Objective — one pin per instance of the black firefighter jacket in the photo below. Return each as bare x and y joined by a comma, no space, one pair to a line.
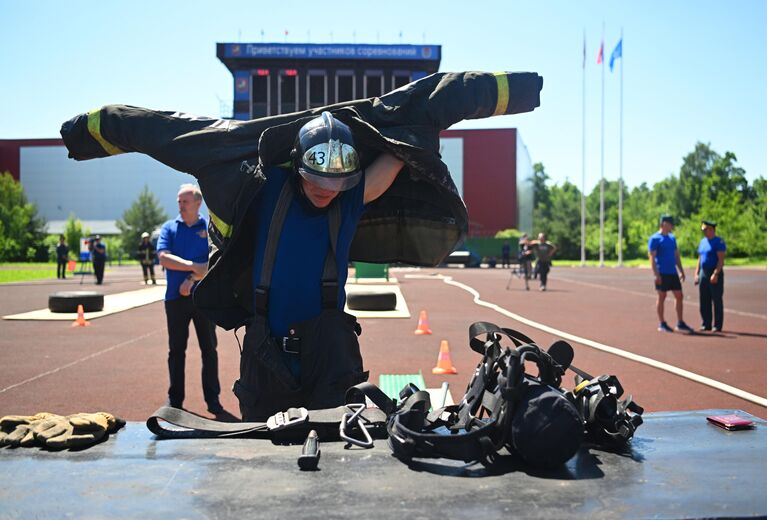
418,221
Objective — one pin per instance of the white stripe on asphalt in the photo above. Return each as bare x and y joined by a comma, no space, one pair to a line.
78,361
653,296
718,385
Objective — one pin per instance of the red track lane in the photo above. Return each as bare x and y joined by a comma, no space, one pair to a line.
118,364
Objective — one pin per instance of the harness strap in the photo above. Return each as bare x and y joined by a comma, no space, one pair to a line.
290,423
329,285
293,423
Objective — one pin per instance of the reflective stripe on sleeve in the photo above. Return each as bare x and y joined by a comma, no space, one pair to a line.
94,127
503,93
223,228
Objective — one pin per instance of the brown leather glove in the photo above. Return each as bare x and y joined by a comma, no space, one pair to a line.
75,431
16,430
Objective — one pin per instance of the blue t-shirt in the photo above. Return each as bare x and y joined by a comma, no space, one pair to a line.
665,252
707,249
187,242
304,241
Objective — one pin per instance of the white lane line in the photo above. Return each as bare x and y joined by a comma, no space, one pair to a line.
718,385
652,295
81,360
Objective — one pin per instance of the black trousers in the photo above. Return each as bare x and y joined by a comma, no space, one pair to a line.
98,270
148,271
711,295
61,269
179,313
543,270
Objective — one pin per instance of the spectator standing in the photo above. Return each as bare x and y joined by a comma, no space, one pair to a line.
665,260
544,251
183,251
709,274
146,257
506,255
99,258
525,257
62,258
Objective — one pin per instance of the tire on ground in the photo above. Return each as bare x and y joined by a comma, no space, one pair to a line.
67,301
372,301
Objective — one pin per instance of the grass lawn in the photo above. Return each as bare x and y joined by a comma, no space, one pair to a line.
25,272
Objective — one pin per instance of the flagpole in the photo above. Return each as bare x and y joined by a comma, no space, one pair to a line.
620,177
583,160
602,178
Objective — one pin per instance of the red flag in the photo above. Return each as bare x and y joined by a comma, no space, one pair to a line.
601,53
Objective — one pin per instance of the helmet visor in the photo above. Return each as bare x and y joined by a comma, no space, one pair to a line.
330,181
332,165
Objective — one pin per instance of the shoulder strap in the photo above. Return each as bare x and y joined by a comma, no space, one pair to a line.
329,286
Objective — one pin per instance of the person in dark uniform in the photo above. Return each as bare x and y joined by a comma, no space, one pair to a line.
525,257
99,258
62,258
146,257
543,252
506,255
183,251
709,274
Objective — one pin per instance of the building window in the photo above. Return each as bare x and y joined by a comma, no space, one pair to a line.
345,86
399,79
259,94
288,91
317,88
374,84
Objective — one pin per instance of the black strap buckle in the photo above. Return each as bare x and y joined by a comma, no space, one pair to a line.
289,344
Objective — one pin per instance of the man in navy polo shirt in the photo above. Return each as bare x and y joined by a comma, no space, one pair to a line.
710,275
665,260
183,251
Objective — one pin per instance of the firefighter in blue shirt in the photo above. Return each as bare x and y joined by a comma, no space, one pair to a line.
709,275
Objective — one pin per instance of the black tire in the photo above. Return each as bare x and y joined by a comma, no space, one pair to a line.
67,301
372,301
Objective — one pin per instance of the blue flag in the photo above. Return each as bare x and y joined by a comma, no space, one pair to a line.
617,53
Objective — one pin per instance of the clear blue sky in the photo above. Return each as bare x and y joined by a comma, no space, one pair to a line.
694,70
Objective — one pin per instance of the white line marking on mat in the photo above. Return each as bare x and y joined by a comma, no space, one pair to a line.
77,361
718,385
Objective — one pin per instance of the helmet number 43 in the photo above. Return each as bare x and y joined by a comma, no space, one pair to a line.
317,158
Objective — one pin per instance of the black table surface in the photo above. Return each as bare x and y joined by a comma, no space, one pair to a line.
678,465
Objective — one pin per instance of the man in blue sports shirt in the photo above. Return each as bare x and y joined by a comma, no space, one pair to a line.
710,275
183,251
665,260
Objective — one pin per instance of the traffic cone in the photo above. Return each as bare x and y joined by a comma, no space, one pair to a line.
423,324
80,321
444,365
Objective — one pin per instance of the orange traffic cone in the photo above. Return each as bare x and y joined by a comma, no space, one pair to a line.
423,324
444,365
80,321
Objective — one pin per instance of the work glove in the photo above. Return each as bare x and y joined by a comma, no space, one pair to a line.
75,431
16,430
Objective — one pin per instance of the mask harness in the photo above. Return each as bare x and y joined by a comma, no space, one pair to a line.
530,416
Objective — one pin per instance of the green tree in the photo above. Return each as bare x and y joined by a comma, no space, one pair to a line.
73,232
144,215
563,228
22,230
541,197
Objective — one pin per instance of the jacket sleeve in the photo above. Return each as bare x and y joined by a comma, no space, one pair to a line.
443,99
184,142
